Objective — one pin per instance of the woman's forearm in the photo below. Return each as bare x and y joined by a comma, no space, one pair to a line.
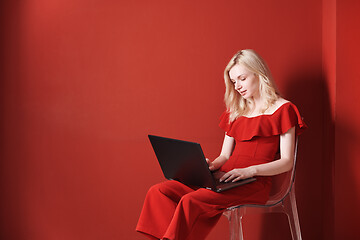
218,162
266,169
221,160
272,168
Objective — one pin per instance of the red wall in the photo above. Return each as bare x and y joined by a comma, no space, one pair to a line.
84,82
328,119
347,131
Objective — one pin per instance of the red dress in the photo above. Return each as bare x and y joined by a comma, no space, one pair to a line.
175,211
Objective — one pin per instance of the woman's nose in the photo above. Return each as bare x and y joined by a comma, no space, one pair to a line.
237,85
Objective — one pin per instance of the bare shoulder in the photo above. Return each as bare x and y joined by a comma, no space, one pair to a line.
281,101
277,104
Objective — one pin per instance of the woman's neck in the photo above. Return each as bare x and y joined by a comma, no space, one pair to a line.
255,107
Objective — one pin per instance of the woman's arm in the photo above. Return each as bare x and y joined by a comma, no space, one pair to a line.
284,164
226,150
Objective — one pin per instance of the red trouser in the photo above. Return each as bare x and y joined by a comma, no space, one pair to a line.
175,211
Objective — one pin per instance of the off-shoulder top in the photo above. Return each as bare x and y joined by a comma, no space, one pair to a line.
257,139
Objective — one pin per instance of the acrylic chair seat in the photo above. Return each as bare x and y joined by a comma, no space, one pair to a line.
282,199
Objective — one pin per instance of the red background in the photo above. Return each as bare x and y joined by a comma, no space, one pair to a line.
84,82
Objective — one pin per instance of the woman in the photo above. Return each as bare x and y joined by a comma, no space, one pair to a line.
260,129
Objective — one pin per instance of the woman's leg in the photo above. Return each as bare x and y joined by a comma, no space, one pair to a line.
159,207
198,211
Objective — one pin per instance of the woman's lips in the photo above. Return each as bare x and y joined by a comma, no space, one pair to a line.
243,92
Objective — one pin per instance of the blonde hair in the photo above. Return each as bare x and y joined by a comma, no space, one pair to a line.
235,103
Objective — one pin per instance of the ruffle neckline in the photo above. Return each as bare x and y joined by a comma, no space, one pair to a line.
266,125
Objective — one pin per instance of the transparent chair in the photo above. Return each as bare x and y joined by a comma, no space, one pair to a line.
282,199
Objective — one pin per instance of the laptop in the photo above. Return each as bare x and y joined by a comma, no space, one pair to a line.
185,162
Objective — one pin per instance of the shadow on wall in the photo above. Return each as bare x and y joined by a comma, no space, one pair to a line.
307,89
13,163
347,195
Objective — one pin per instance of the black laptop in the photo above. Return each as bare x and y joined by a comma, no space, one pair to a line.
185,162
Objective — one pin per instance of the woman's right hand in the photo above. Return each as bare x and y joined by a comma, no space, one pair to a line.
212,165
225,154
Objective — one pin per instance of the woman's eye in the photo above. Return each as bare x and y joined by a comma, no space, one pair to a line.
242,79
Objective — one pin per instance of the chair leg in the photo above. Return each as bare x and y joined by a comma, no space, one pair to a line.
292,213
235,225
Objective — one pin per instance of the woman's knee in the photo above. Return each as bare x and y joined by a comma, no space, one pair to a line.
154,188
168,188
190,198
200,196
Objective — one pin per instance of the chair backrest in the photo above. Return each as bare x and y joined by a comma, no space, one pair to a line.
282,183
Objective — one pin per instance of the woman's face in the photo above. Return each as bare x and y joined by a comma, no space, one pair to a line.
245,82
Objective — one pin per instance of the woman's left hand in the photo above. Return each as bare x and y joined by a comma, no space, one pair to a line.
238,174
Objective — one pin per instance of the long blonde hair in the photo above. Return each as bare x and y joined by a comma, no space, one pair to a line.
235,103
